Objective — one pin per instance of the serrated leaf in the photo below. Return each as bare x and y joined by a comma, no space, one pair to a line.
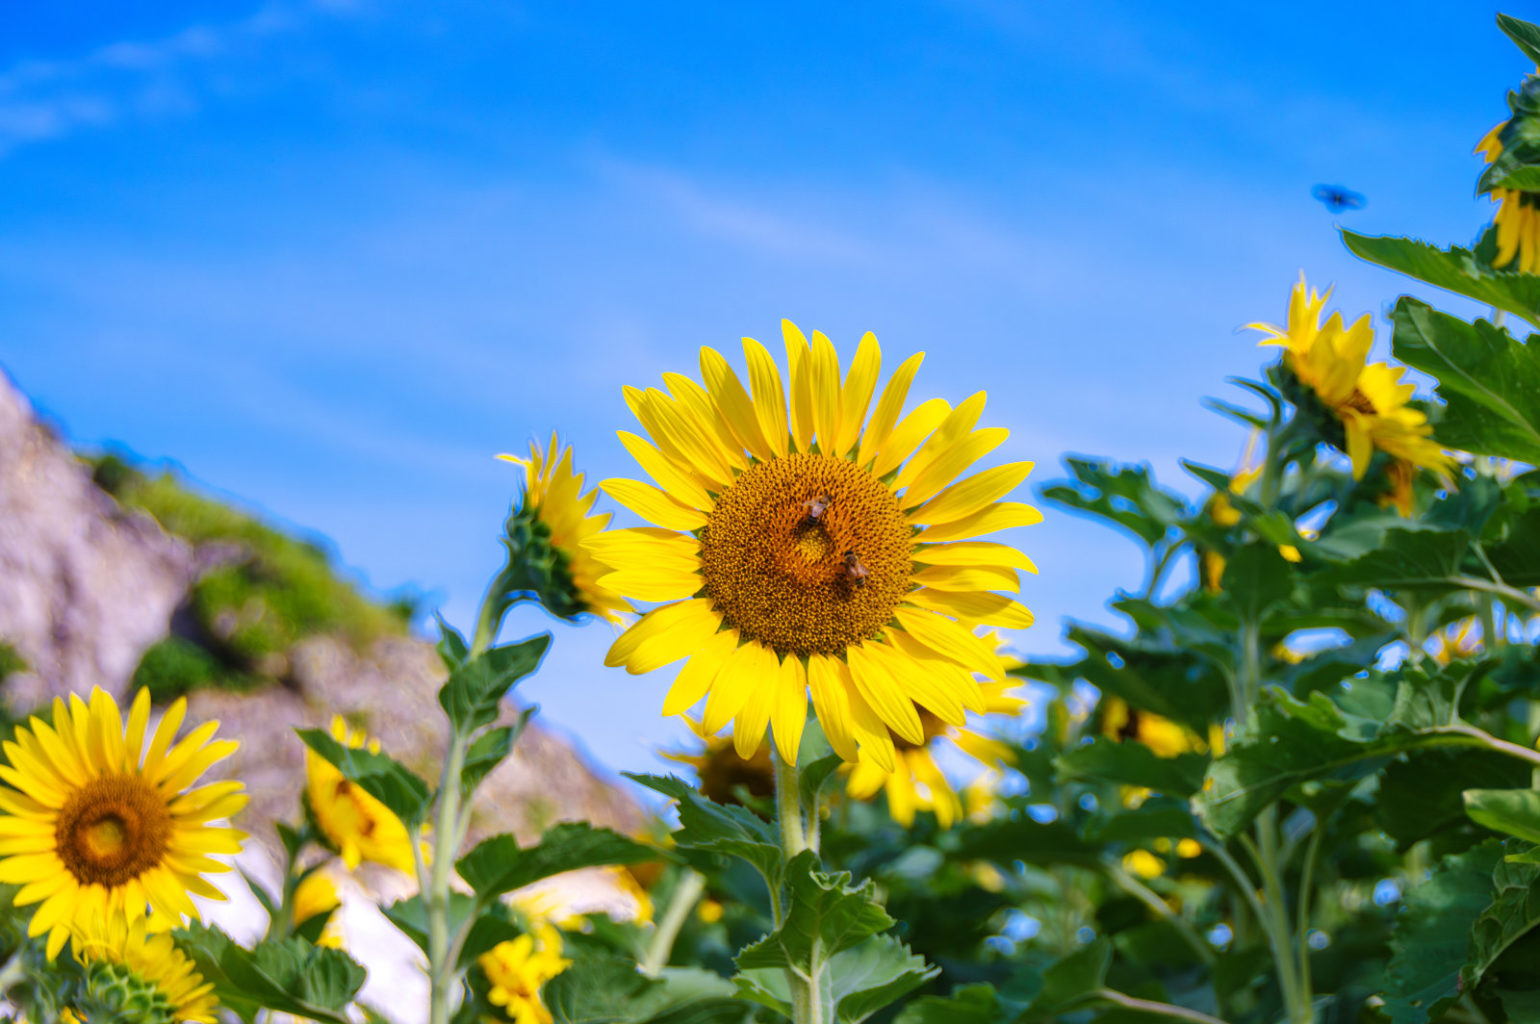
472,694
497,865
1125,496
382,777
411,918
1513,914
821,911
452,648
290,976
1409,559
1454,269
968,1004
1132,763
601,988
1489,380
706,825
489,750
1431,936
871,976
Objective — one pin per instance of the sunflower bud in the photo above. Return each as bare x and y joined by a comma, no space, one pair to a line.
115,992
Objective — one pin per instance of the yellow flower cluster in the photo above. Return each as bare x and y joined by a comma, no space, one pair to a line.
517,969
356,825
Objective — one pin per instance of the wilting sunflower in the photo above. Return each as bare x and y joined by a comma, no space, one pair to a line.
93,822
545,535
723,774
918,783
1518,210
815,550
138,976
356,825
1367,399
517,968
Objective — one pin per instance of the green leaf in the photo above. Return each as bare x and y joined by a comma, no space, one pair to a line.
871,976
490,749
452,648
969,1004
706,825
1073,979
1489,380
1455,269
1156,818
1256,577
822,911
815,775
1431,937
498,865
1125,496
382,777
1007,840
601,988
1131,763
1525,35
1515,812
474,691
411,918
1514,913
290,976
1409,559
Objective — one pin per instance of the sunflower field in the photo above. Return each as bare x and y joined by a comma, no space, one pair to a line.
1299,784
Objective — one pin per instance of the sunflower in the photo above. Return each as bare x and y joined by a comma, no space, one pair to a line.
815,550
1518,212
723,774
354,823
918,783
1163,736
93,822
137,975
545,535
515,971
1367,399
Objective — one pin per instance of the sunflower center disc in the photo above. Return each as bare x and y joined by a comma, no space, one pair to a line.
807,554
113,829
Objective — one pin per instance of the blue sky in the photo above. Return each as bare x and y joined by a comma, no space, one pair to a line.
332,256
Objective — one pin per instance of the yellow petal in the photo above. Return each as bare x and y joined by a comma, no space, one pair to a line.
908,435
655,622
668,476
883,693
948,433
889,406
665,420
919,685
950,640
752,719
825,381
974,552
694,680
1002,515
951,464
750,666
876,742
653,505
661,583
769,399
695,403
643,546
965,577
980,607
789,714
831,704
736,407
799,364
685,637
860,383
968,496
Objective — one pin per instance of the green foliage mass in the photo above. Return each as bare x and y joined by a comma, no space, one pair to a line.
273,591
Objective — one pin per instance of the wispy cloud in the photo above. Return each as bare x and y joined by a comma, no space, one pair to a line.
42,100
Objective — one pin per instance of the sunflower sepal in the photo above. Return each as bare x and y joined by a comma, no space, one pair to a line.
387,780
115,992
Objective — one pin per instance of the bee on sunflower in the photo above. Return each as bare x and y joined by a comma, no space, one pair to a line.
353,823
95,822
136,975
1365,403
799,547
545,536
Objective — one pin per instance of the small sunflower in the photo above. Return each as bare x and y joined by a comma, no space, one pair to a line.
1518,210
515,971
1166,738
545,536
139,976
354,823
918,783
94,822
1367,399
723,774
815,550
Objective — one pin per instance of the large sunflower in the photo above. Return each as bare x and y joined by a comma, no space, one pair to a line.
138,974
545,535
917,783
354,823
93,822
815,551
1518,212
1367,399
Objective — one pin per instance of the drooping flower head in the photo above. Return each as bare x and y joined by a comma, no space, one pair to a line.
1511,146
545,534
354,823
917,783
138,976
517,968
801,547
1367,399
94,822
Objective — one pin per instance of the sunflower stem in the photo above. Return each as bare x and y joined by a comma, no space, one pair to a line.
686,894
788,808
442,973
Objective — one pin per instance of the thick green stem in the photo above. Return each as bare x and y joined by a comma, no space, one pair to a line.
441,966
805,1008
686,894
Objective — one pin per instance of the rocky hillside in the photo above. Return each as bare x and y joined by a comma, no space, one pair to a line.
175,590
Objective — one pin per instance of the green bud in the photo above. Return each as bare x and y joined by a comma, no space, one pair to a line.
113,992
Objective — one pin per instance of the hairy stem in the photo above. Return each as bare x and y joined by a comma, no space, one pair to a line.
805,1008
